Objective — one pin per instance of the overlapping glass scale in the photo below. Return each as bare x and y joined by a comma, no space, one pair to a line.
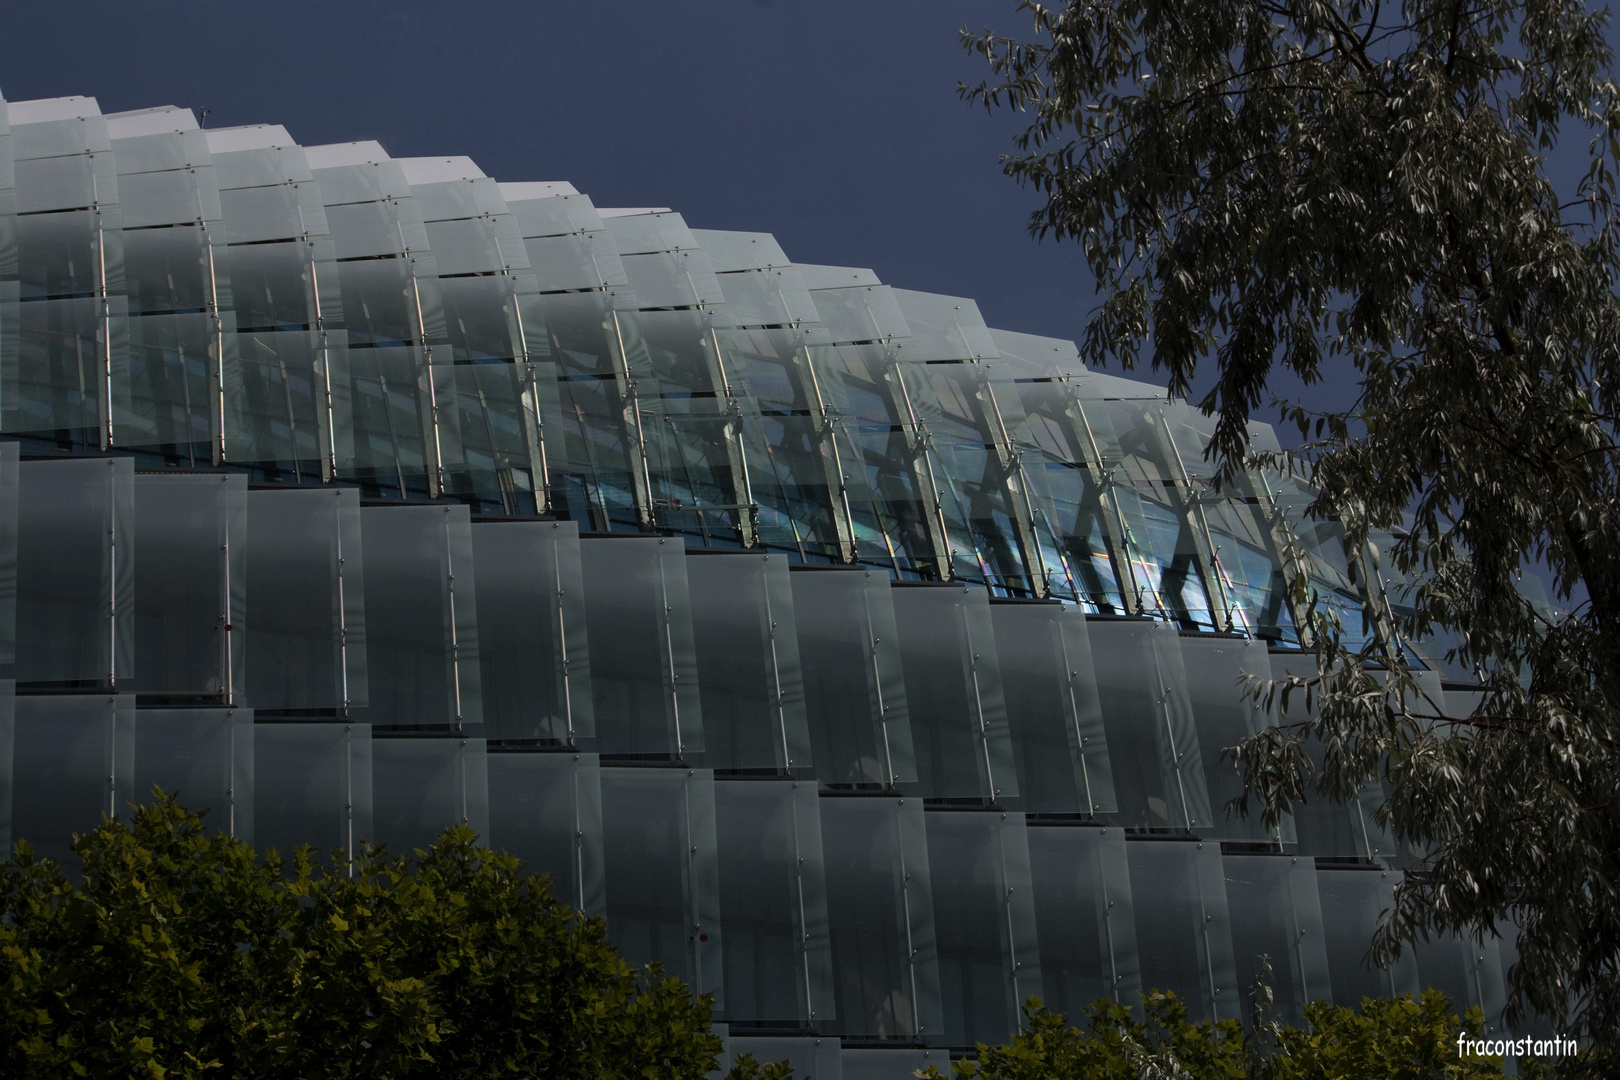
867,666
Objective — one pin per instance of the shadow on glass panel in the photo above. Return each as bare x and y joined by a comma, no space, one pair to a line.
546,808
204,758
748,662
73,764
1277,914
1085,917
984,924
880,908
534,660
643,669
1053,712
773,903
1353,901
663,892
311,785
953,691
854,684
421,786
1183,931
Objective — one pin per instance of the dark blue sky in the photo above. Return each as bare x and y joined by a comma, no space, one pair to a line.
834,124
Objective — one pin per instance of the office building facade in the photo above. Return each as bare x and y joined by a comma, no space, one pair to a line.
867,666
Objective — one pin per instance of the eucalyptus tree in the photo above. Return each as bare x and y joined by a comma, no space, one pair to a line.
1362,189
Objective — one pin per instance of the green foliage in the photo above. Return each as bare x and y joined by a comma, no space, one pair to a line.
182,955
1403,1039
746,1068
1298,186
1114,1046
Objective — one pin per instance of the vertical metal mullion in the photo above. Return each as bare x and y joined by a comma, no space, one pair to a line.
890,779
691,886
342,606
542,481
112,575
776,669
905,908
106,307
644,495
227,626
348,793
804,928
1164,712
1006,903
1069,674
218,417
455,638
669,656
579,836
562,638
1108,920
978,704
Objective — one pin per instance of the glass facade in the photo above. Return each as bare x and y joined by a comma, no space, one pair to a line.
867,666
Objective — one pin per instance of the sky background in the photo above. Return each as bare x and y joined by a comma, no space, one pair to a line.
834,124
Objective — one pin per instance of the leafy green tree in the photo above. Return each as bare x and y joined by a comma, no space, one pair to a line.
181,954
1403,1039
1303,187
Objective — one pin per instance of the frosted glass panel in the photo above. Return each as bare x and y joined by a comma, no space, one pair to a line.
663,891
748,662
1279,916
1183,932
311,785
984,924
1352,903
1085,917
547,810
421,616
75,596
855,691
306,589
953,693
880,907
1158,774
643,669
773,901
533,655
9,482
204,757
8,746
1224,713
1053,710
422,786
191,617
73,764
810,1058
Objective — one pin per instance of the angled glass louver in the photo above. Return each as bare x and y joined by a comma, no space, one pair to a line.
868,666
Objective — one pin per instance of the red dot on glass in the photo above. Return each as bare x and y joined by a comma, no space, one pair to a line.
703,937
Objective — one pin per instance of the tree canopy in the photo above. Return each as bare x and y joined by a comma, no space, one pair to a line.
182,954
1401,1038
1310,186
